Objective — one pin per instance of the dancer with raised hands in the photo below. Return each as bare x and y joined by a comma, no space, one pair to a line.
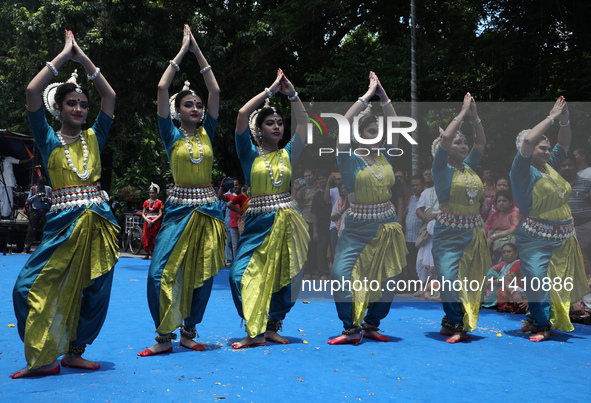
62,294
460,251
372,246
551,261
273,247
189,248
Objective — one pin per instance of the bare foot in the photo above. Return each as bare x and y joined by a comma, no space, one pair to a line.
457,337
158,348
273,336
51,369
541,336
373,335
346,339
191,344
250,342
79,362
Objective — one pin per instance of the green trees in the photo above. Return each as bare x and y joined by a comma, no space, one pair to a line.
500,50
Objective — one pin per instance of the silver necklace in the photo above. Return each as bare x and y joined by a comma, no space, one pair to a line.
379,176
273,182
472,193
193,160
85,175
559,189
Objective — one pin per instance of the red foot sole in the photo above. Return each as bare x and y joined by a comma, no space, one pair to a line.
196,347
338,341
52,371
148,353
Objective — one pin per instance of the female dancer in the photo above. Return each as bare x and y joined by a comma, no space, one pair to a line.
152,215
62,294
273,246
372,244
460,251
551,259
190,245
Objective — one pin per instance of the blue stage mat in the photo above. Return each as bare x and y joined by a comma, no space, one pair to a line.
498,364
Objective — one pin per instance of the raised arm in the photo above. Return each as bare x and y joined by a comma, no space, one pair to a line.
479,136
287,88
213,100
533,137
102,86
168,76
248,108
454,125
360,105
564,134
43,78
387,108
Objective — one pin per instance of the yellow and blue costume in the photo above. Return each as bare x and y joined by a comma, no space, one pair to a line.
273,247
546,241
188,250
62,294
460,251
370,248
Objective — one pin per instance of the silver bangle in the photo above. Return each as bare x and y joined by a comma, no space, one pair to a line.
94,75
564,125
176,66
269,93
51,67
476,122
205,69
551,120
293,97
363,101
457,119
388,102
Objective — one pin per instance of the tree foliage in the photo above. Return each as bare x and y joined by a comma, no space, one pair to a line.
500,50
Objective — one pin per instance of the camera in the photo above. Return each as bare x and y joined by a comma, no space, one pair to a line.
229,184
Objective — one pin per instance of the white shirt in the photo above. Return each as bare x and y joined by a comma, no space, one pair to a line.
585,173
428,199
7,171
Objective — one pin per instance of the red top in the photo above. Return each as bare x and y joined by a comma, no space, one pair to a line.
152,209
238,201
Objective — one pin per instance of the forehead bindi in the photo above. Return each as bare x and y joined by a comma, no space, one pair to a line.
74,96
273,119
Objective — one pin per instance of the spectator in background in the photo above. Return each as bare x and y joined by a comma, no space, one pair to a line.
304,195
152,213
40,201
8,182
225,188
321,210
427,210
332,194
580,206
235,201
339,209
583,158
401,177
488,181
428,178
488,206
501,225
412,227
